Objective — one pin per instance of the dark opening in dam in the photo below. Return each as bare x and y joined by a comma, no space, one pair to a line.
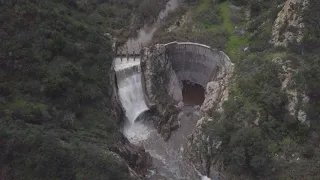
193,94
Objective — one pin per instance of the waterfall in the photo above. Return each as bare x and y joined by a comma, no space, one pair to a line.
131,97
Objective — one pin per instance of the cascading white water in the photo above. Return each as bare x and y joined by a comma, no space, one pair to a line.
131,96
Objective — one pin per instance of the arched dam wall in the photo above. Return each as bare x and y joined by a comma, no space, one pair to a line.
195,62
129,86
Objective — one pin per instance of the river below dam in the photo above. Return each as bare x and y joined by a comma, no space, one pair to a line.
168,158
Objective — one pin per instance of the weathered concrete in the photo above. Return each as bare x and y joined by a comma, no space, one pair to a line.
125,66
203,65
192,61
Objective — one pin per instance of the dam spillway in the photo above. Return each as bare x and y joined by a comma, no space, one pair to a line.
131,96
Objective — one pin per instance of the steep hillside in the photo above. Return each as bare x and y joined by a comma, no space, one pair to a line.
269,128
56,114
57,119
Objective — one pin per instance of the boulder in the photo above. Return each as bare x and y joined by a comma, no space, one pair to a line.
136,157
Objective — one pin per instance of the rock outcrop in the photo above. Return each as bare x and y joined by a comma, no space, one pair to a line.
161,82
289,26
297,100
217,90
135,157
162,89
204,159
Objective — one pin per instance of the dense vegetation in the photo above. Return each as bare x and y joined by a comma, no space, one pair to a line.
56,119
260,137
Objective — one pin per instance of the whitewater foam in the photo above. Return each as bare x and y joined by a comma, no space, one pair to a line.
137,132
131,97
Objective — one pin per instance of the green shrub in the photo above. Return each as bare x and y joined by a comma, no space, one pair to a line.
209,16
308,151
55,87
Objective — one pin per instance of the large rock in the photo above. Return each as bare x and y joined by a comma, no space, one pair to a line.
297,99
204,151
136,157
217,90
162,89
289,26
161,82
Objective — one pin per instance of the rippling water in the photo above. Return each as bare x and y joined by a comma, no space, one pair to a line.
169,162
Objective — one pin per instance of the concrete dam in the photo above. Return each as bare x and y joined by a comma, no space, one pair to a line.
193,62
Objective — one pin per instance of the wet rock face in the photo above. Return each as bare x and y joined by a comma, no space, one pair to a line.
117,108
204,159
161,83
162,89
167,121
136,157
